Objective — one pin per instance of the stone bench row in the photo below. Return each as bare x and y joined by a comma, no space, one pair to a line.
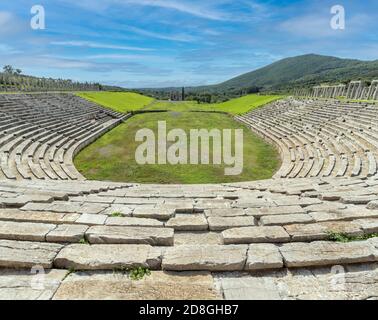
215,258
328,149
46,133
235,230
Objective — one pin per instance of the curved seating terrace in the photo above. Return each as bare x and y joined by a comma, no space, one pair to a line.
41,133
200,241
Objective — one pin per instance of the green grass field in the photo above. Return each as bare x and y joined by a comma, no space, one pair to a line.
118,101
126,101
112,157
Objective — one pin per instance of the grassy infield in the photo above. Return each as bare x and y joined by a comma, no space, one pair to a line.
112,156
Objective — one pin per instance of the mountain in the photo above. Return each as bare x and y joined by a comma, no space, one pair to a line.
302,71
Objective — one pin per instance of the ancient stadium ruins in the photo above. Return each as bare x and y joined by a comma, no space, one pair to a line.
270,239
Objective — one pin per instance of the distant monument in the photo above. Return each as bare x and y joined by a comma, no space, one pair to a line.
177,95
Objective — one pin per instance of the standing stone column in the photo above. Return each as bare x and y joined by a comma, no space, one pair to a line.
348,93
359,90
372,89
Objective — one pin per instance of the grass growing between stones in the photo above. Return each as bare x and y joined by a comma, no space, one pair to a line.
139,273
134,274
116,215
112,157
69,272
344,238
83,241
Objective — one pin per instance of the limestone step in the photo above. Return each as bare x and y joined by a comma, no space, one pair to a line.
108,257
130,235
17,254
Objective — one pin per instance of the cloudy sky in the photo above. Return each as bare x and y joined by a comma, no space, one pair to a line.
158,43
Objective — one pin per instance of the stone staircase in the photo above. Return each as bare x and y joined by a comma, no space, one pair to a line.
94,231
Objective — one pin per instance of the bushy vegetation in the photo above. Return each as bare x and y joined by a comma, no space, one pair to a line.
302,71
281,77
344,238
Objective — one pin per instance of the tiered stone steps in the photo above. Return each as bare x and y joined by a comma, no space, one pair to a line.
319,138
41,133
246,228
266,239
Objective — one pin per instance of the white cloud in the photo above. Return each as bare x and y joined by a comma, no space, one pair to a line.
170,37
6,49
96,45
196,8
191,8
318,25
8,23
5,18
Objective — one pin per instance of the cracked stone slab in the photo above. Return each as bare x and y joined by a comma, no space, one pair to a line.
154,213
93,208
279,220
138,201
374,243
351,282
22,200
347,214
92,219
133,222
249,288
179,206
368,225
158,286
205,258
321,230
26,285
260,234
36,207
25,231
294,201
67,233
188,222
257,203
281,210
130,235
24,254
108,257
37,216
118,208
326,207
263,256
372,205
197,238
95,199
213,203
231,212
324,253
65,207
223,223
358,199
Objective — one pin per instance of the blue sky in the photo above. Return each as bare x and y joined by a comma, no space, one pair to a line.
159,43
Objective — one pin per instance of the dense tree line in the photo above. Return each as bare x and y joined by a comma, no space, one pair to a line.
205,96
12,79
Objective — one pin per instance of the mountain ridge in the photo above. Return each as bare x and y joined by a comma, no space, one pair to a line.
300,71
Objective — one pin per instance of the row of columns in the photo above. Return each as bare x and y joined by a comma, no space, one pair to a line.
28,84
356,90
